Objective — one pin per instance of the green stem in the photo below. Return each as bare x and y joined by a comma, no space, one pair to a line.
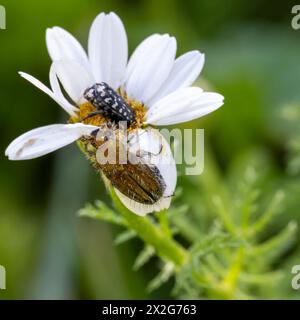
163,243
164,223
166,247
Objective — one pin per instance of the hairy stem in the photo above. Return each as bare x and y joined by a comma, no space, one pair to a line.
165,246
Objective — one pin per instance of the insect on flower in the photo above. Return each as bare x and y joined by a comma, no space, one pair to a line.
108,103
131,170
139,181
152,88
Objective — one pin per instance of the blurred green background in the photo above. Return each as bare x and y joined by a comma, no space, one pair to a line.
252,58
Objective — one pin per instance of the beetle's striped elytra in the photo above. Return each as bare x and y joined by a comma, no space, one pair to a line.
139,180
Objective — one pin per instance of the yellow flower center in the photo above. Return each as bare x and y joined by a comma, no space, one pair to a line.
86,108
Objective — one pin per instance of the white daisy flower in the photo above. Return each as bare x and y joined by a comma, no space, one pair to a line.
154,84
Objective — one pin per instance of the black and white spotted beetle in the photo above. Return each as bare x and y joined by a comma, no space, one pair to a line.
108,103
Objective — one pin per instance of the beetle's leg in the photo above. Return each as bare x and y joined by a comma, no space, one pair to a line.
136,136
142,153
171,195
92,114
95,132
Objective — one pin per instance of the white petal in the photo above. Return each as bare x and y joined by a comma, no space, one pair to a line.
174,103
185,71
74,78
152,142
188,108
145,45
60,98
189,115
143,209
149,66
108,49
62,45
43,140
70,109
